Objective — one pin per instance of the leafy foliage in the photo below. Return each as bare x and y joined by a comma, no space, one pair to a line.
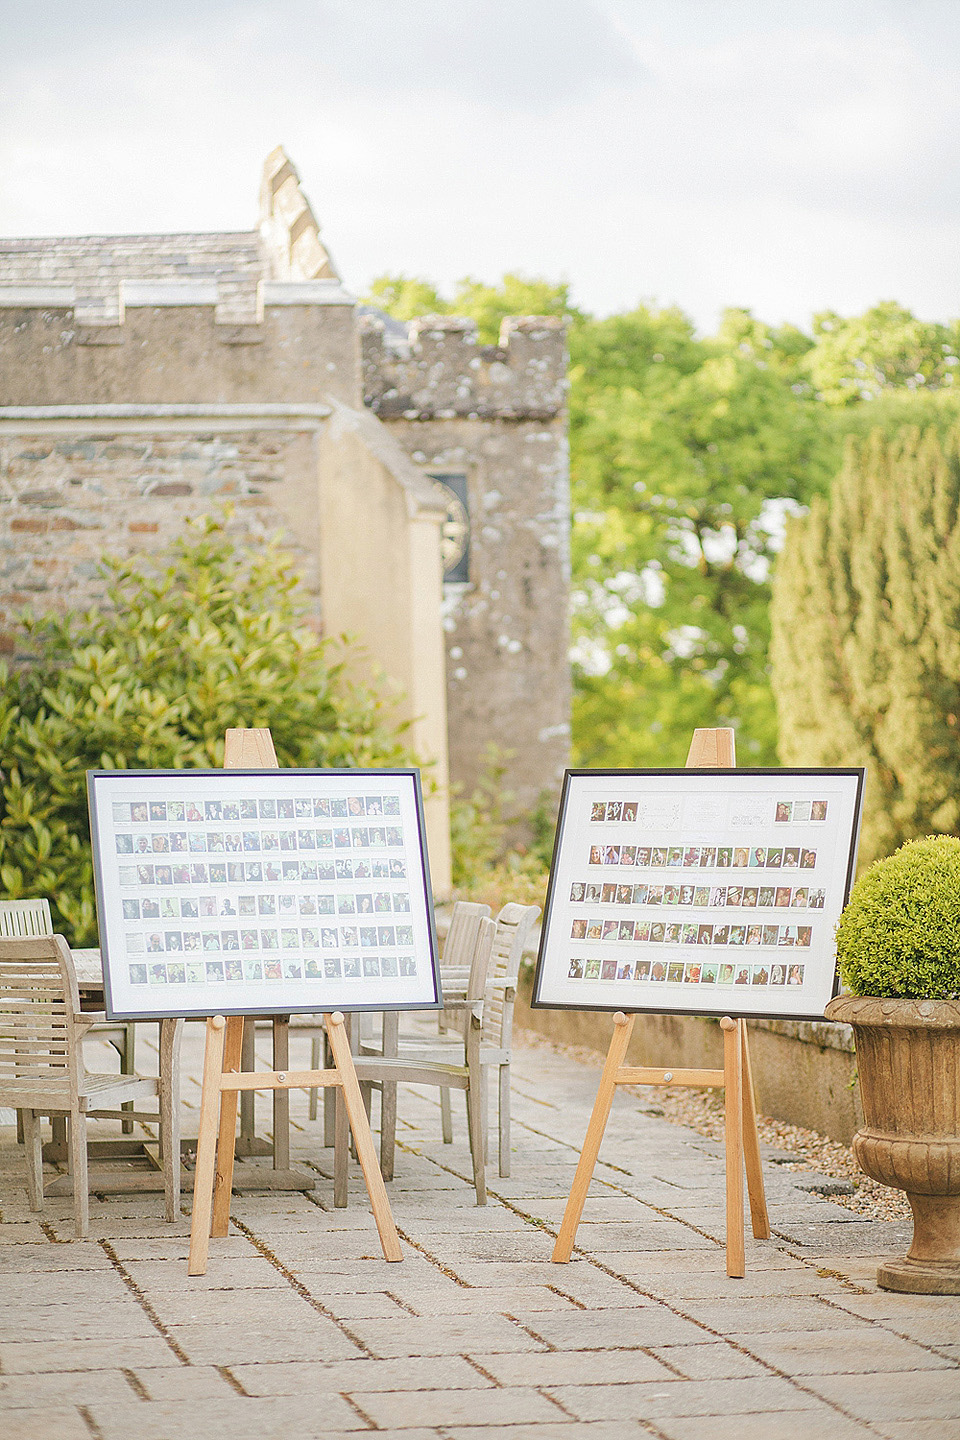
886,348
900,933
866,633
489,866
211,639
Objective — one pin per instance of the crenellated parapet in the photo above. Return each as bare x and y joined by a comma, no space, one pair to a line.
440,372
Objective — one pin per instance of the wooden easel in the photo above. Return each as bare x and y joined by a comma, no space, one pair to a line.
223,1082
709,750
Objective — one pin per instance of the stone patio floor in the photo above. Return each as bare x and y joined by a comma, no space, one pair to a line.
299,1327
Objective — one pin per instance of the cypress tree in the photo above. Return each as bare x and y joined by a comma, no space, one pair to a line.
865,649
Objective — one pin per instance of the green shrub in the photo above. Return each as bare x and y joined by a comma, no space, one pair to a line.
900,933
491,866
208,638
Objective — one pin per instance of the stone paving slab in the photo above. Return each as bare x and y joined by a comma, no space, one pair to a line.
301,1328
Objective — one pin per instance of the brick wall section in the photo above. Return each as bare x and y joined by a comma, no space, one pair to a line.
66,501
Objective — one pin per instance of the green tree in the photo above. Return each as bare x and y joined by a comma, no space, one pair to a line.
405,297
885,348
489,305
685,454
210,638
866,633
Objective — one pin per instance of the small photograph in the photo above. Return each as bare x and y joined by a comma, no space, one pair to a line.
691,973
754,934
575,971
774,859
708,857
614,808
269,939
734,895
170,908
687,894
197,843
270,840
272,970
788,935
741,857
765,896
592,894
721,934
253,872
404,936
338,808
804,934
246,904
211,939
675,856
157,973
725,974
784,812
158,810
121,814
378,837
791,858
141,845
795,975
657,932
124,844
213,810
324,839
307,904
675,972
388,967
150,909
717,896
313,970
347,904
341,838
135,944
641,931
368,937
163,875
782,898
625,970
286,809
671,894
626,930
327,870
801,812
249,939
231,810
761,975
248,809
227,906
594,929
577,891
671,934
189,909
391,805
139,811
229,939
742,975
267,809
217,872
658,855
801,898
289,871
253,969
758,857
628,854
371,967
750,896
691,855
640,893
208,904
289,939
608,894
394,835
655,895
359,837
308,871
611,854
138,974
131,909
178,842
641,971
198,874
658,971
176,974
578,930
191,940
365,905
808,859
629,812
778,974
724,857
310,937
214,969
181,874
251,841
608,970
770,933
611,930
705,935
591,970
349,936
351,968
624,894
401,901
708,973
159,844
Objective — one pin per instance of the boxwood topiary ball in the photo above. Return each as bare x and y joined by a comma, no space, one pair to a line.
900,933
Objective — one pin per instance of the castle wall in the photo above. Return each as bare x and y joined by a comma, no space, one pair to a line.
495,415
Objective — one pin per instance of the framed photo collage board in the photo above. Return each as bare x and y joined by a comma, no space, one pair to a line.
262,891
699,891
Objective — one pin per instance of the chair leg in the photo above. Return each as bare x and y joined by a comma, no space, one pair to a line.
78,1164
170,1114
34,1156
485,1110
128,1065
475,1128
388,1127
503,1116
341,1150
314,1065
446,1115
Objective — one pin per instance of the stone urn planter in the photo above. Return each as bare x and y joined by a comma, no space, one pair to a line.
898,944
908,1054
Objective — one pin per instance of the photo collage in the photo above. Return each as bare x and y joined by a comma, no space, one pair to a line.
635,902
260,890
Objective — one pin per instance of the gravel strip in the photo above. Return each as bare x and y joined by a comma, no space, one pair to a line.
798,1148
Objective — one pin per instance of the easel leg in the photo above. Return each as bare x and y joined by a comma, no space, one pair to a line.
759,1219
733,1106
591,1145
227,1141
206,1147
281,1098
353,1101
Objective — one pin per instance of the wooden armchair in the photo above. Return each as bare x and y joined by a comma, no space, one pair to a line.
42,1071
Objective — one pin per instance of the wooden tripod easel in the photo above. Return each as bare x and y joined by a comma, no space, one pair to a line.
223,1080
709,750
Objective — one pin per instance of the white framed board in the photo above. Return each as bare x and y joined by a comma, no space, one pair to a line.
262,891
698,891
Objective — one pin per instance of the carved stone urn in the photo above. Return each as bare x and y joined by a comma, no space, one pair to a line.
908,1054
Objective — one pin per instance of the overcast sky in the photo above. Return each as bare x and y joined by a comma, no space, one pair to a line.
785,155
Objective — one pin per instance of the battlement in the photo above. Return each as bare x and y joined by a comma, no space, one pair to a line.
440,371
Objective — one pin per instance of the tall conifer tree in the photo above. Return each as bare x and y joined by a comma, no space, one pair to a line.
866,633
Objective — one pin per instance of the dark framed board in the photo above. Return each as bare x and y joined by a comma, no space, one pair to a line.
262,891
698,891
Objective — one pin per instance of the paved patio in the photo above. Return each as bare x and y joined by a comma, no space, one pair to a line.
300,1329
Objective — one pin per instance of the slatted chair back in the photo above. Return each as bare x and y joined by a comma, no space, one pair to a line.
39,1050
25,917
458,948
512,926
469,1018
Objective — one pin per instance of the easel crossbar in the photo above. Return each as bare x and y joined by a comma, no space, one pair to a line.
279,1079
651,1075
